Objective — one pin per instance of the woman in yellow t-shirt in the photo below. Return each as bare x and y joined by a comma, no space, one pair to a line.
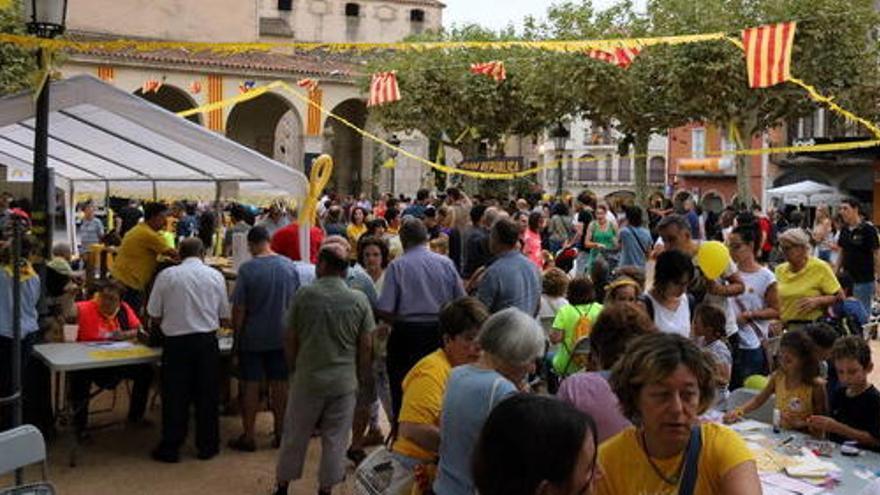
356,227
418,439
664,382
807,285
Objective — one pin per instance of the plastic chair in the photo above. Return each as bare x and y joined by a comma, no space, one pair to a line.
740,396
21,447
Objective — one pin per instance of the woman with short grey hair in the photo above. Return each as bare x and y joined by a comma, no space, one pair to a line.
510,342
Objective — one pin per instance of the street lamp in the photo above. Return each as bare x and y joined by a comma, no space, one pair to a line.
392,153
45,19
560,135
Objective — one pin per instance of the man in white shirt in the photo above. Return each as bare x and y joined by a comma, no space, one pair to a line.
189,301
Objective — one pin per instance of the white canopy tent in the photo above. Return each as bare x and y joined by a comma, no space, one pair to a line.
806,192
103,140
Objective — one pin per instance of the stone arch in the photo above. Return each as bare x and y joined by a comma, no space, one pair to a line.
271,125
171,98
346,146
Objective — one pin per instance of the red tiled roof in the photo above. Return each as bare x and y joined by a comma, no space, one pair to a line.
317,63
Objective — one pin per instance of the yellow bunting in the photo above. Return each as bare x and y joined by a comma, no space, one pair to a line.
834,107
573,46
322,170
389,163
231,101
713,258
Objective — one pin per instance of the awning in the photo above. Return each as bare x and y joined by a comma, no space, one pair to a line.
101,135
806,192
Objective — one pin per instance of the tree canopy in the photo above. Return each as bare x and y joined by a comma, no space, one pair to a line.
16,65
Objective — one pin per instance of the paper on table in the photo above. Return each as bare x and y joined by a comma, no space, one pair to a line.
791,485
809,466
748,425
111,345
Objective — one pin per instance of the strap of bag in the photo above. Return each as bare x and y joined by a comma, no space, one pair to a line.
692,458
638,241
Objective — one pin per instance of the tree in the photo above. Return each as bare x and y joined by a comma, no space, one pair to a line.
17,66
829,52
472,113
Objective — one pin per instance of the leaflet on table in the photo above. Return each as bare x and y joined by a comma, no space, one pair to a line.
782,484
111,345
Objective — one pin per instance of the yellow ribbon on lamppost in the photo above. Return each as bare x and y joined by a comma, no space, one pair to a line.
322,169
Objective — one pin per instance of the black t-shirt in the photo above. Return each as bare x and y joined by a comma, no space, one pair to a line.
584,218
858,247
861,412
130,217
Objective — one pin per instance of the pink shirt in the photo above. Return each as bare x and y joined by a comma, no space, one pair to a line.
590,393
532,247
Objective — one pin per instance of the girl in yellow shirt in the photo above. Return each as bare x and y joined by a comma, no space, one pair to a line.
799,391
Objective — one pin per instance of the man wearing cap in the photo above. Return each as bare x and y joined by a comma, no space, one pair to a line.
327,344
263,290
416,286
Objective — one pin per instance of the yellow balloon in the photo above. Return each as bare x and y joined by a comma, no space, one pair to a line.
713,258
755,382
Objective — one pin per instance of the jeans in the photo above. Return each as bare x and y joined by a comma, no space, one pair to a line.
864,292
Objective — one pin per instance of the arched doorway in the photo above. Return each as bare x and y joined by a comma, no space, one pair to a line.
270,125
171,98
347,148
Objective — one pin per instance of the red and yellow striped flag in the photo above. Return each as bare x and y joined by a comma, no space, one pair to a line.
313,116
383,89
621,57
494,69
768,53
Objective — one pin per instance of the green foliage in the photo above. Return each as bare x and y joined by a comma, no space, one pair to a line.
16,66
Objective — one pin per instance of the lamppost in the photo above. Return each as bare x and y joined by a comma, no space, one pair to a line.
392,153
560,135
45,19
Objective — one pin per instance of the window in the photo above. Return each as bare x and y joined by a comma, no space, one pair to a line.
416,15
352,10
698,142
588,168
609,166
657,170
285,5
624,169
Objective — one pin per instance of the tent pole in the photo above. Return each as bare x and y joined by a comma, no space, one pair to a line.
218,227
155,192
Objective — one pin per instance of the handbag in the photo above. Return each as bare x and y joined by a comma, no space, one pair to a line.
692,458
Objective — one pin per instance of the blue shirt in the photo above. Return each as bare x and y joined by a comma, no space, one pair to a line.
632,240
471,393
30,294
511,281
418,284
852,308
694,222
265,286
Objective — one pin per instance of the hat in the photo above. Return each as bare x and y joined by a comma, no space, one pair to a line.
60,266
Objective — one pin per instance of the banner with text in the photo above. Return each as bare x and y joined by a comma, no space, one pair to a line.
495,165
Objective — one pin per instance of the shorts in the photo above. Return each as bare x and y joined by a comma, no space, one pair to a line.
255,366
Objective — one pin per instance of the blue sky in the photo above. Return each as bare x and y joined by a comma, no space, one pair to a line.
499,13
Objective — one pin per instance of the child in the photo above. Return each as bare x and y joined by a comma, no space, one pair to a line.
573,322
855,408
850,308
800,393
709,326
823,336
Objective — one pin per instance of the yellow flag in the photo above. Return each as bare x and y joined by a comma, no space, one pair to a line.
389,163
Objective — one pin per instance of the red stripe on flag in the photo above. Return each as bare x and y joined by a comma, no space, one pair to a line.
758,74
785,53
772,76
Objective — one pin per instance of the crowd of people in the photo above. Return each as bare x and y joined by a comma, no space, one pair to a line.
515,347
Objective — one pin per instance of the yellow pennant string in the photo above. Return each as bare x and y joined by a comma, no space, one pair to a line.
249,95
834,107
42,76
322,170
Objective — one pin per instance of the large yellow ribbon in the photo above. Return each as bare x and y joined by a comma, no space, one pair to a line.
322,170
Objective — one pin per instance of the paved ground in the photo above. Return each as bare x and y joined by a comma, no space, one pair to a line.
117,461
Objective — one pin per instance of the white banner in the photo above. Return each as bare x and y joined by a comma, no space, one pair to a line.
15,173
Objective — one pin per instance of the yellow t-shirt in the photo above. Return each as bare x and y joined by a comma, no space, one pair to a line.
815,279
626,469
797,401
423,390
136,259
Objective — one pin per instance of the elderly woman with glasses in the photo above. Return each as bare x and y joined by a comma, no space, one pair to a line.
510,342
807,285
664,383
